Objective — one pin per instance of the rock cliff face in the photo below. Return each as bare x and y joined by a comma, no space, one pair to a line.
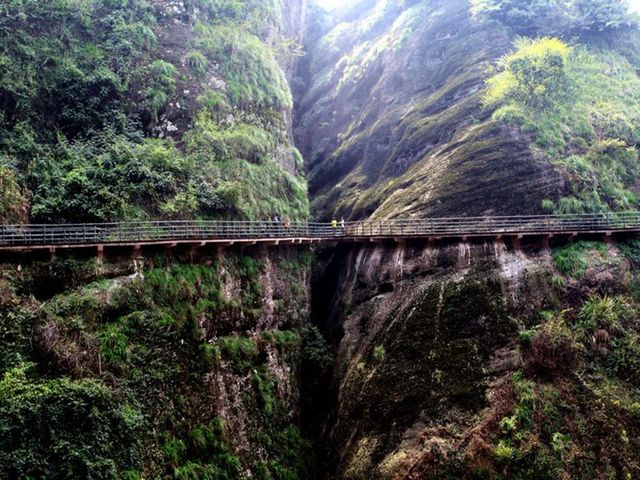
139,109
431,359
486,360
392,126
201,354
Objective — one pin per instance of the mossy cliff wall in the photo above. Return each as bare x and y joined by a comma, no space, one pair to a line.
149,109
416,108
391,123
156,368
479,361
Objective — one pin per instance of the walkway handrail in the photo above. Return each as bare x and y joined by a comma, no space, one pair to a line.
198,230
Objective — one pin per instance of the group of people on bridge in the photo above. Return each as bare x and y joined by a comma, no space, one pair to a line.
286,222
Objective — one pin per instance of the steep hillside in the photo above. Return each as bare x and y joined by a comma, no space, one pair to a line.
481,361
498,359
163,368
396,119
161,109
475,360
178,364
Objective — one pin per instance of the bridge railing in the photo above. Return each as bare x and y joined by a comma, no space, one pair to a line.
497,225
158,231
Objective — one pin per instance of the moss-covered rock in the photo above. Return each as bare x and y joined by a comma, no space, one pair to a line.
205,357
392,124
479,361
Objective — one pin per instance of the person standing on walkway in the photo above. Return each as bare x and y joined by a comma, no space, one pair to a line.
287,222
342,225
334,226
276,224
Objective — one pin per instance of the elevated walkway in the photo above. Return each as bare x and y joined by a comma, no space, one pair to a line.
100,236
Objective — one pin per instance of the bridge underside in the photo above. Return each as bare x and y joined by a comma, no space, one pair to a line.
136,249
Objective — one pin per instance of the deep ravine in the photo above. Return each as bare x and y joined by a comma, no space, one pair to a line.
493,359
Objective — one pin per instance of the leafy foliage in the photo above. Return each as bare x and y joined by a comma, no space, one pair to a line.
197,63
573,260
575,104
247,64
241,351
63,428
66,63
205,454
14,205
108,177
535,76
84,86
556,17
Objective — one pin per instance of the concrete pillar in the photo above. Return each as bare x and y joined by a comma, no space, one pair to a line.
517,242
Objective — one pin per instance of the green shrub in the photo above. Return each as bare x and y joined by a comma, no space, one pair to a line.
211,355
203,454
114,345
266,391
92,432
174,449
509,424
242,351
573,260
81,305
316,353
504,452
555,350
282,337
535,76
604,312
164,75
379,353
526,337
560,442
197,63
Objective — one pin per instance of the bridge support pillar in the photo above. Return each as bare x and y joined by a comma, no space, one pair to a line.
194,248
52,254
100,255
244,246
137,250
517,242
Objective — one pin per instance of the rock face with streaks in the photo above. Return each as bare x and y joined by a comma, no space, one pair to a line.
391,123
431,358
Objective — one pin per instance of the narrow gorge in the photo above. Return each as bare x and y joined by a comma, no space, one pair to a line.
493,358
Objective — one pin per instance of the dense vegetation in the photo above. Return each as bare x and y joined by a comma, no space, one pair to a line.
572,409
114,379
101,120
559,17
580,105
